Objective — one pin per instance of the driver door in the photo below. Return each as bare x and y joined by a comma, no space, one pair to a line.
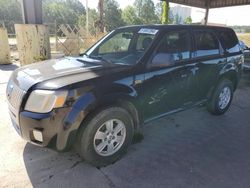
169,77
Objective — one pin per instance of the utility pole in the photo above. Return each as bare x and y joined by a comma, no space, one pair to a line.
87,17
101,14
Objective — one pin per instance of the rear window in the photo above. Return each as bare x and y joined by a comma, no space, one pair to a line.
206,44
229,41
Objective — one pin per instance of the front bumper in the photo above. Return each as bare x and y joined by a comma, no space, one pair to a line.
44,130
56,129
47,124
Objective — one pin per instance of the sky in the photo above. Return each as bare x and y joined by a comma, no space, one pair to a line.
239,15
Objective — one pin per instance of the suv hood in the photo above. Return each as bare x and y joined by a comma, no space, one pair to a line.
68,69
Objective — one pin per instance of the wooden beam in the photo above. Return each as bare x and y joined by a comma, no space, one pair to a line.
206,16
213,4
32,11
101,15
207,11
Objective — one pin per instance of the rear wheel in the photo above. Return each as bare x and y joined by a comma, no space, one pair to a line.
106,136
221,98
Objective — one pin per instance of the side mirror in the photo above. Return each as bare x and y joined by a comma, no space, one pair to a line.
246,48
162,60
243,46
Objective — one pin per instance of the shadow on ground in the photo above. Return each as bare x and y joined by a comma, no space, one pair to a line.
10,67
47,168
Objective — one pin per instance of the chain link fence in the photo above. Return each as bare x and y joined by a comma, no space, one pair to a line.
65,38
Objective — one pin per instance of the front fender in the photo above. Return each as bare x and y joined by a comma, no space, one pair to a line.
229,67
89,101
72,121
79,106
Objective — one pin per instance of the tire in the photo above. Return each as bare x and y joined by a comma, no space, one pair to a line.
216,106
96,143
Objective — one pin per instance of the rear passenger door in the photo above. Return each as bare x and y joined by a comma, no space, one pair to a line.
208,54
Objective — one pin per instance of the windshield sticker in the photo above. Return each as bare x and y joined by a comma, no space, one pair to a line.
148,31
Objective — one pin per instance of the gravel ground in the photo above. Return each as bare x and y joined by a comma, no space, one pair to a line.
187,149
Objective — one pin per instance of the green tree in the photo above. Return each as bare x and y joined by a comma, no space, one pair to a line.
112,15
10,10
177,19
93,17
171,16
165,12
129,16
188,20
158,10
10,13
145,10
62,11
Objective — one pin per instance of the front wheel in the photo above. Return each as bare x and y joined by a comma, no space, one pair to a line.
106,136
221,98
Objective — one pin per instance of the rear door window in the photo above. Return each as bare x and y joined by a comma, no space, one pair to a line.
206,44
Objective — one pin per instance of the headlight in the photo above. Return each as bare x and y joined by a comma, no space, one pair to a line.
43,101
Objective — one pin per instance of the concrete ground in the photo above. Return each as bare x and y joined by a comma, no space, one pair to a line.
189,149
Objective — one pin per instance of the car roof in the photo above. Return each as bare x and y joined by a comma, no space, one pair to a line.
172,26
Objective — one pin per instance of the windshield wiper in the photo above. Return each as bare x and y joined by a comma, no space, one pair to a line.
106,61
87,62
84,53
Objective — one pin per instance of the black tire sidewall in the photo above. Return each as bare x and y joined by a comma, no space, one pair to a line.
87,150
214,103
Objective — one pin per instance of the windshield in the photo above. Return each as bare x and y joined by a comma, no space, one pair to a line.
123,47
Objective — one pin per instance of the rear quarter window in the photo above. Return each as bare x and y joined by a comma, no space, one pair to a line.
229,40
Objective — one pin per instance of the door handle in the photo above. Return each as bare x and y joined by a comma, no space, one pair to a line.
138,82
194,70
183,75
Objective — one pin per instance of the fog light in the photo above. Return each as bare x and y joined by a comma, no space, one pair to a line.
38,135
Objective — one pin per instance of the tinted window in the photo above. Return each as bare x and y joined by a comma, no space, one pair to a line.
206,44
123,47
119,43
175,45
144,42
229,41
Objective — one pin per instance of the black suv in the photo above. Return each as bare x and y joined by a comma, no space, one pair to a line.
135,74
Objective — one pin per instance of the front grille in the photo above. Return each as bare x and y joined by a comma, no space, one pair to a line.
14,95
